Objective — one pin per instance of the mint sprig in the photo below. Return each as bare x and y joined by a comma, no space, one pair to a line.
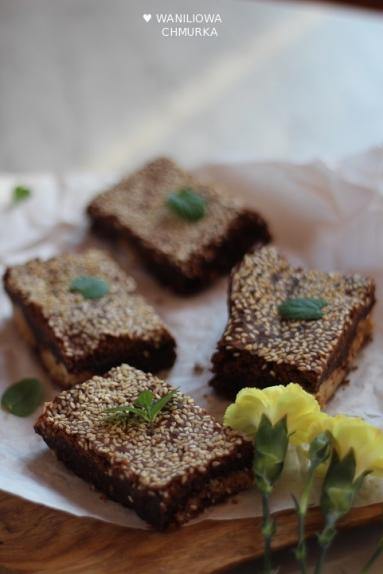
187,204
302,309
20,193
145,407
90,287
22,398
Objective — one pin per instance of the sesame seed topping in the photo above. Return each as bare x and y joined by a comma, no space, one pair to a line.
77,327
183,440
261,283
138,204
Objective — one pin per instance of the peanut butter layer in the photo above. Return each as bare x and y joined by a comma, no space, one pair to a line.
329,386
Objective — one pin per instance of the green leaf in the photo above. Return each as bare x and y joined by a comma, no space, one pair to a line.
122,413
187,204
162,402
20,193
23,398
145,399
121,409
302,309
89,287
144,407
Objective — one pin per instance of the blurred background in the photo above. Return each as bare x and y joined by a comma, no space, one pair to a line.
90,85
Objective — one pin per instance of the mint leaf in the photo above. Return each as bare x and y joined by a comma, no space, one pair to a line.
144,407
20,193
145,399
302,309
187,204
23,398
89,287
161,403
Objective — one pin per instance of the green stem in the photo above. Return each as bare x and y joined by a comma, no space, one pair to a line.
302,507
325,539
267,531
374,557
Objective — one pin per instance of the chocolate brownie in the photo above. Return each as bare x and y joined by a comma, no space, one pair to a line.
184,255
76,337
260,348
168,471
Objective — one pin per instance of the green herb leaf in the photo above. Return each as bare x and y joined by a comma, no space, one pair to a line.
23,398
302,309
187,204
89,287
20,193
144,400
157,406
145,407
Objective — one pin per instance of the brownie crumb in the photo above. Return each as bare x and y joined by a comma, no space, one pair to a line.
198,369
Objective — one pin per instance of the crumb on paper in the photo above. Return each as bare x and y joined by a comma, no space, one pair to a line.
198,369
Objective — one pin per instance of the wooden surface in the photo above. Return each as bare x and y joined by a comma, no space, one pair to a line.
37,539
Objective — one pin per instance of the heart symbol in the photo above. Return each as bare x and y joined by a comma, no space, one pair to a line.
147,17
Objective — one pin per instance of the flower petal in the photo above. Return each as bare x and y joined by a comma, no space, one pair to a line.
365,439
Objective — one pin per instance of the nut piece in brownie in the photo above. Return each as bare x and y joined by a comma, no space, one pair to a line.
259,347
168,470
75,336
186,240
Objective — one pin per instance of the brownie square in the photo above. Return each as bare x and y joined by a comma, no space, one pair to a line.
76,337
168,471
184,255
259,348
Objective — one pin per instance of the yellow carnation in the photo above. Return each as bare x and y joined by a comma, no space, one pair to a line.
304,418
365,439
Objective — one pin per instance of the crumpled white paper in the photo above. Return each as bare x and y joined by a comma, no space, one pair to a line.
330,217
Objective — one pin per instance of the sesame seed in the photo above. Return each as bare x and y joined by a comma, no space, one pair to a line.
255,332
81,329
182,441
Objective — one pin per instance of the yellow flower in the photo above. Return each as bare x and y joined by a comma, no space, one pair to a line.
365,439
304,417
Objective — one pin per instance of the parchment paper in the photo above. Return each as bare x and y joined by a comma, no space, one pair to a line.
330,217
